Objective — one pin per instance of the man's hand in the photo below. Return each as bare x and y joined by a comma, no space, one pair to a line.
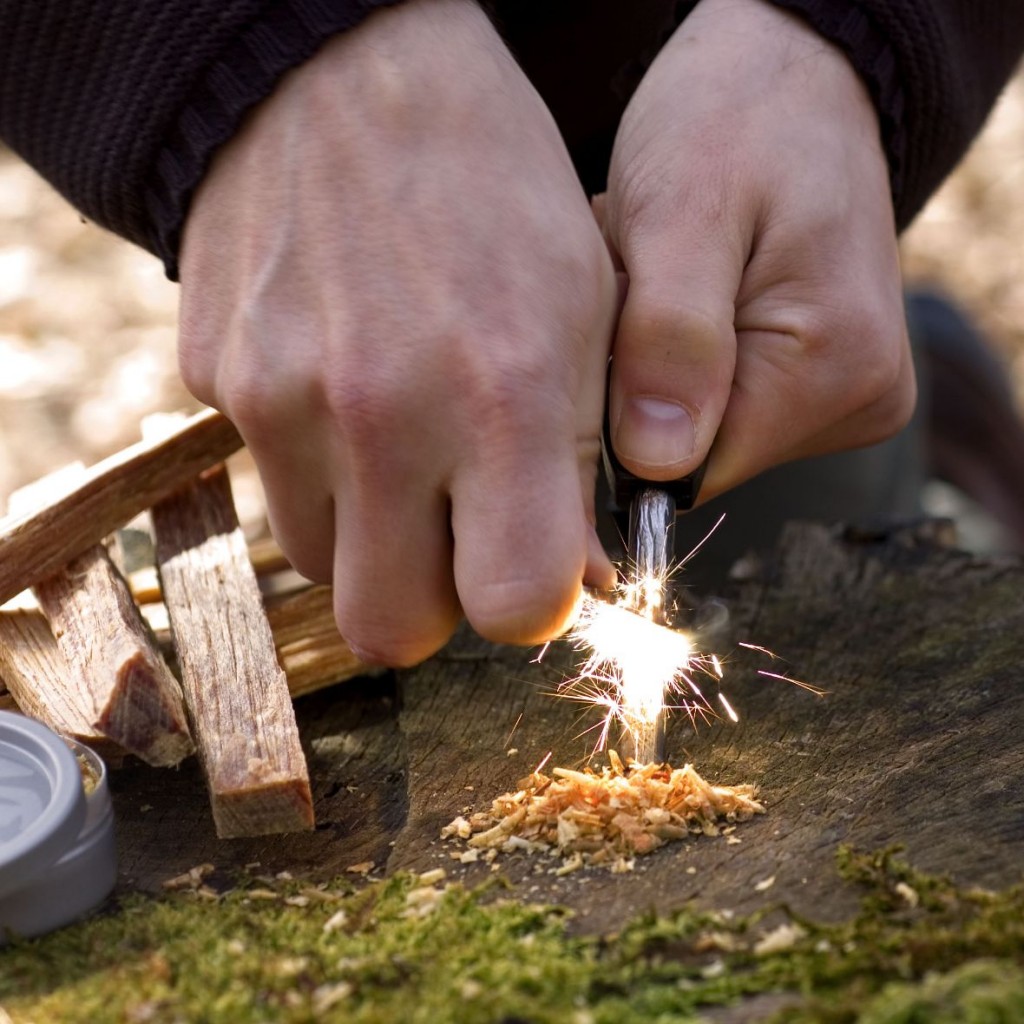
749,203
393,285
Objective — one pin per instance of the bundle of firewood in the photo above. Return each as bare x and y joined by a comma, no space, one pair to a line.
91,650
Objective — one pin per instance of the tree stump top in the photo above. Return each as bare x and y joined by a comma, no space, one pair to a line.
918,741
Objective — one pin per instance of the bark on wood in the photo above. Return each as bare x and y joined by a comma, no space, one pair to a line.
112,662
236,693
917,741
112,492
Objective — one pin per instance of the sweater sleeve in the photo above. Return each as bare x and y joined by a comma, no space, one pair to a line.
934,69
121,104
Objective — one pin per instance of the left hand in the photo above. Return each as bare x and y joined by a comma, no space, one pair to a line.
749,204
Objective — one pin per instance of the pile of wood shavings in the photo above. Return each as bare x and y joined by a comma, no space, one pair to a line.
606,817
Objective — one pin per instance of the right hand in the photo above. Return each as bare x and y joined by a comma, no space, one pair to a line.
394,287
755,224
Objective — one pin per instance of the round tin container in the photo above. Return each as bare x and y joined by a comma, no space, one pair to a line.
58,859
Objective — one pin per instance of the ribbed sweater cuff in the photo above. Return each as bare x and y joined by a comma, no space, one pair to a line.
288,33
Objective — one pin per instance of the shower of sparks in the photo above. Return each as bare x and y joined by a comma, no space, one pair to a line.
633,667
810,687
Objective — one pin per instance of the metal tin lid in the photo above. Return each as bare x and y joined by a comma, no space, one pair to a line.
42,802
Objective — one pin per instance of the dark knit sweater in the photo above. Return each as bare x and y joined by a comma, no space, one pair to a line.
122,104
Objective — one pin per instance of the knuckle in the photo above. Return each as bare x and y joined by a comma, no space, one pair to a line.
816,333
894,409
365,402
879,370
704,198
866,351
196,363
516,394
391,653
655,320
250,400
197,377
309,562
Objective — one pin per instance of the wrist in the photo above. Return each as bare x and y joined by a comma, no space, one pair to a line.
405,60
375,96
753,78
773,50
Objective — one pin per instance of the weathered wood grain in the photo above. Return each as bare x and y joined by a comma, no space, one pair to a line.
106,683
111,662
267,559
35,674
309,647
36,545
236,692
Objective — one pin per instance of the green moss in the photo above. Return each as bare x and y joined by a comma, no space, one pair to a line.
911,927
399,951
982,992
468,958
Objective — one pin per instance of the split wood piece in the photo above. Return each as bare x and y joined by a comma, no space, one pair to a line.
236,692
113,674
274,571
267,557
111,492
35,674
112,661
309,647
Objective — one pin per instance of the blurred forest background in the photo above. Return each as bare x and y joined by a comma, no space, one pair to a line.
87,322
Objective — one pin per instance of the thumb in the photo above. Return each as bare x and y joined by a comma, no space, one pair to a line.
674,353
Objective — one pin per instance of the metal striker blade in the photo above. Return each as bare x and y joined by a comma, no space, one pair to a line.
652,523
652,519
651,538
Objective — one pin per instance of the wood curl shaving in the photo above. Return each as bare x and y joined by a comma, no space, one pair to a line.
605,817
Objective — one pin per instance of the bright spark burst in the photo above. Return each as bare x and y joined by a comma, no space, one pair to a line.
633,667
640,657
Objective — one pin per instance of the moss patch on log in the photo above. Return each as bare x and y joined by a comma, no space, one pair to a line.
414,949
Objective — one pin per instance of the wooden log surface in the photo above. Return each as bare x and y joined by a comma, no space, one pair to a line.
35,545
237,695
92,670
309,647
917,741
310,650
37,681
113,668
